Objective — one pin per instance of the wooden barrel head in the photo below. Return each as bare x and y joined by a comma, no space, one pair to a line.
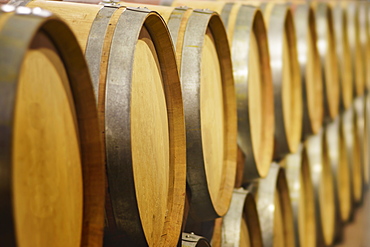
274,209
240,225
351,142
54,148
252,74
150,138
47,176
210,113
344,55
286,78
329,62
340,168
359,110
136,81
322,179
309,61
302,196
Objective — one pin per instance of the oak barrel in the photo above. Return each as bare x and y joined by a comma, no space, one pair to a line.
52,160
274,209
240,225
311,74
343,53
338,159
298,174
322,179
356,33
254,90
133,67
204,63
286,77
351,138
328,57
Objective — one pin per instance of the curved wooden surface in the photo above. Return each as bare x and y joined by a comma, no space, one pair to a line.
329,62
286,78
252,75
343,54
301,193
322,179
309,61
357,54
359,110
57,177
240,225
351,138
366,156
334,136
274,209
142,113
210,107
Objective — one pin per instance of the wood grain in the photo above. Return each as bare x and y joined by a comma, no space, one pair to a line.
47,176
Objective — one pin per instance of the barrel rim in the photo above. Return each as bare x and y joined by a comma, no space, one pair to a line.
127,220
28,22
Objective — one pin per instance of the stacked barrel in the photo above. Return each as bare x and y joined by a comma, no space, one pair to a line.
182,123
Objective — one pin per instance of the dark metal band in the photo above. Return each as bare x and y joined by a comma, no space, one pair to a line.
317,161
95,42
266,193
276,30
301,20
20,29
174,22
192,240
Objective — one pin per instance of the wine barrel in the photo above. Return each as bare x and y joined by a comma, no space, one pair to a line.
335,142
357,53
351,137
240,225
359,109
366,156
192,240
133,66
52,159
210,108
286,77
329,61
322,180
301,193
274,209
252,74
343,54
309,61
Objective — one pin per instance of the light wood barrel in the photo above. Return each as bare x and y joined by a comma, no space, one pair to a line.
252,74
52,159
133,66
204,63
336,147
366,156
274,209
357,53
337,158
350,128
343,53
359,110
311,74
286,78
322,180
240,226
329,61
210,107
298,174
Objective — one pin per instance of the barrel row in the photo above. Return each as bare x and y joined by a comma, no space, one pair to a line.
180,94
